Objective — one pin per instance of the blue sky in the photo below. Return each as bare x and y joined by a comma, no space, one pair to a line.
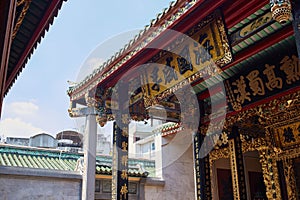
38,101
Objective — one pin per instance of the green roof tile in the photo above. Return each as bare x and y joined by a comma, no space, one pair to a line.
22,161
6,159
17,160
11,160
30,159
25,158
1,160
56,160
45,161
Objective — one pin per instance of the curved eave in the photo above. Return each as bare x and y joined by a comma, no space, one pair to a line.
194,14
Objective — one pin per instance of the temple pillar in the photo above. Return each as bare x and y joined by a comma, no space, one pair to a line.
7,16
289,175
120,163
270,172
120,146
202,170
90,140
237,166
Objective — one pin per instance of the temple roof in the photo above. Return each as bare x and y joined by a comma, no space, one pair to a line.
169,128
53,159
254,16
163,21
252,36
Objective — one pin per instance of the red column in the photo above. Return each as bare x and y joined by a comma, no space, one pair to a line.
7,16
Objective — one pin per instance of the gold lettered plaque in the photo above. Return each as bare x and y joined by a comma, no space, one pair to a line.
263,80
204,50
288,136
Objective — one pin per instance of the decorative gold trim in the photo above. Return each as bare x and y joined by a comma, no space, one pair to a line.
213,156
21,16
253,145
101,176
234,170
288,154
270,173
268,157
271,113
218,154
287,120
281,10
289,175
227,58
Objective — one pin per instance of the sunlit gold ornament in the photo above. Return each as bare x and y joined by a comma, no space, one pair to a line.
281,10
101,120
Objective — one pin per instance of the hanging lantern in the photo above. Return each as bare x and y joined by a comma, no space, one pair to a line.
281,10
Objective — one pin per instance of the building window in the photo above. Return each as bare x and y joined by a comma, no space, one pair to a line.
106,186
132,188
97,186
137,139
152,146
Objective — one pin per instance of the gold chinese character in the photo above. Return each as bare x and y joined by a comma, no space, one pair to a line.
124,160
124,146
273,81
125,132
291,68
169,71
125,129
256,84
124,190
241,90
125,118
124,174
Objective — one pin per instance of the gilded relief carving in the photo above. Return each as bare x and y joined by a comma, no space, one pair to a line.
213,156
270,173
234,170
268,157
25,4
290,179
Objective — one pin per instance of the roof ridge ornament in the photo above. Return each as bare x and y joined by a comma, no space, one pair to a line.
281,10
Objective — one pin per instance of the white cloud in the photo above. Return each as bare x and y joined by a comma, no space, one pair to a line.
88,66
23,108
15,127
94,62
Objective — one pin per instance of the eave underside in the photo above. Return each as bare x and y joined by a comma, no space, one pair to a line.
28,32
